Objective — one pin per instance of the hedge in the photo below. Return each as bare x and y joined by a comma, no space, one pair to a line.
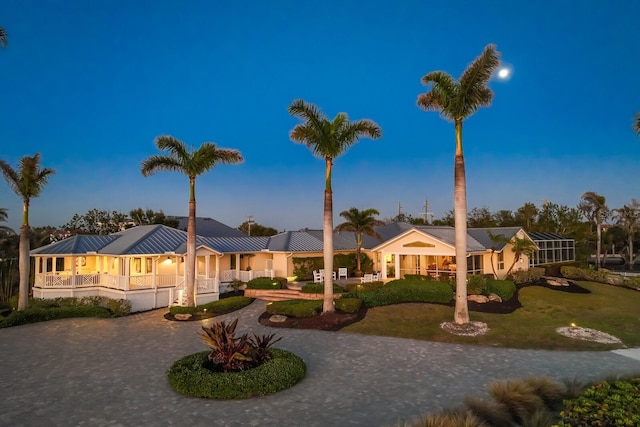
189,376
505,289
264,283
318,288
224,305
403,290
41,314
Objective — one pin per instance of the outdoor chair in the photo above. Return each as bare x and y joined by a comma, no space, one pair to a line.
322,274
317,276
366,278
342,272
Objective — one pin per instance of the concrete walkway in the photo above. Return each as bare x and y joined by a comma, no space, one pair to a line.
112,372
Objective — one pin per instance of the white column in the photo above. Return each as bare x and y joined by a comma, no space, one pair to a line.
237,266
396,258
216,280
154,276
383,265
127,272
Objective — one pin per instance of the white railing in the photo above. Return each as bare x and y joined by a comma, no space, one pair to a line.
205,285
230,275
49,280
67,280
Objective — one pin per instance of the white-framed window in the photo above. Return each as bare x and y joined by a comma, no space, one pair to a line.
500,260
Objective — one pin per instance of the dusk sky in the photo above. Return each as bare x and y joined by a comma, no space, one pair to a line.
90,84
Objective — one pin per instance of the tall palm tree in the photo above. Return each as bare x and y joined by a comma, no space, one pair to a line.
3,37
193,164
27,182
594,207
360,222
636,124
328,139
456,100
521,246
628,218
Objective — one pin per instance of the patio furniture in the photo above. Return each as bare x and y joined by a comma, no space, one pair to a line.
342,272
366,278
322,274
317,277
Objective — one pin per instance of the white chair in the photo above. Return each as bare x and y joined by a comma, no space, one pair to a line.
377,276
342,272
317,277
366,278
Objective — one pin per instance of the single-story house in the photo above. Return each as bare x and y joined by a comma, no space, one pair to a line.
145,264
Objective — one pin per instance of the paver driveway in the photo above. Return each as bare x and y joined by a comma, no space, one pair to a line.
111,372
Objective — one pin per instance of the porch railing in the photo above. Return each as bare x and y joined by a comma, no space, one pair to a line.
230,275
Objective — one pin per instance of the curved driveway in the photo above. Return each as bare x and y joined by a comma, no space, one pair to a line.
111,372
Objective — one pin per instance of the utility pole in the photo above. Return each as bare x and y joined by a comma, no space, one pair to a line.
249,222
426,214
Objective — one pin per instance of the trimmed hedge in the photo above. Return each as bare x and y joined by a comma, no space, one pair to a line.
505,289
41,314
188,376
318,288
295,307
531,275
476,284
348,305
363,287
403,290
264,283
224,305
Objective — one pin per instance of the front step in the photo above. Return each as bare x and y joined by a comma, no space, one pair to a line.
282,295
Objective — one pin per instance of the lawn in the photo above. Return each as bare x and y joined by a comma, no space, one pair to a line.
607,308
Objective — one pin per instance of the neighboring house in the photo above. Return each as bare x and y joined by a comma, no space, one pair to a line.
145,264
209,227
553,248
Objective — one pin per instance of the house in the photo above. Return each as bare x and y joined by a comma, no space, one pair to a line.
552,248
145,264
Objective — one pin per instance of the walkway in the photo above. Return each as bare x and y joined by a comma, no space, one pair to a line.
111,372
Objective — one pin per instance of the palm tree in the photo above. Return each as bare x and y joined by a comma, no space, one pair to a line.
191,163
496,239
328,139
27,182
457,100
3,218
360,222
595,209
3,37
627,218
521,246
636,124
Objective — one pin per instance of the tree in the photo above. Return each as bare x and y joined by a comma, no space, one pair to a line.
27,182
496,239
3,37
481,218
255,229
328,139
455,101
521,246
149,216
595,209
627,218
193,164
4,230
526,216
360,222
636,124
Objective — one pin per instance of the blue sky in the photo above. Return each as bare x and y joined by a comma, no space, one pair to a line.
90,84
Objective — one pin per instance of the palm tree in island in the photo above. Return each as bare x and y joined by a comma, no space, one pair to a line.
328,139
636,124
628,217
360,222
193,164
594,207
456,100
27,182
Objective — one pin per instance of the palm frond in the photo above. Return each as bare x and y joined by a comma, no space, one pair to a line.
442,95
307,112
474,92
636,124
176,147
28,180
11,176
157,163
3,37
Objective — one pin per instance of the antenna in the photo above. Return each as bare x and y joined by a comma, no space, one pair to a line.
426,214
249,222
399,209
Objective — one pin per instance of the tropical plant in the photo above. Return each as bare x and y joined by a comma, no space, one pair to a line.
360,222
3,218
627,218
457,100
594,207
636,124
496,239
3,37
191,163
328,139
27,182
521,246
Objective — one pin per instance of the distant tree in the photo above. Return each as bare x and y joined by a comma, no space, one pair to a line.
447,219
520,247
149,216
481,218
192,164
4,230
3,37
328,139
594,207
628,217
505,218
96,221
526,216
360,222
27,182
457,100
257,229
636,124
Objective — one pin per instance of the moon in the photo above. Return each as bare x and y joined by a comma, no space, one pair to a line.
503,73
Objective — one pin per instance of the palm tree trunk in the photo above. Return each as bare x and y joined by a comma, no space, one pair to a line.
358,249
630,251
461,314
24,265
327,248
598,244
190,265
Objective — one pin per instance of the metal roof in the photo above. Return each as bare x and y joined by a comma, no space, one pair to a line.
539,236
80,244
482,235
236,244
209,227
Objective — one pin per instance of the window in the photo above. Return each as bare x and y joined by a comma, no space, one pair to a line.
500,260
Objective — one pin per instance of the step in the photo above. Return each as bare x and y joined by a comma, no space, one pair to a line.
282,295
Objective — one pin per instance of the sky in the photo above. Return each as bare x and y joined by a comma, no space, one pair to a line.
91,84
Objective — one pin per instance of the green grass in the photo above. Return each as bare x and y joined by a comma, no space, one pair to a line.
607,308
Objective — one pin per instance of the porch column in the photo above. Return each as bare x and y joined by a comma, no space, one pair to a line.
237,266
216,279
383,265
74,260
154,281
127,270
396,258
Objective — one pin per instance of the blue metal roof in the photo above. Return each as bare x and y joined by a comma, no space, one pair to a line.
80,244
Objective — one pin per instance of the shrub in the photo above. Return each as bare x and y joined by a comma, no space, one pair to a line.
505,289
368,286
605,404
476,284
318,288
225,305
189,377
283,282
417,277
119,307
348,305
403,290
40,314
295,308
531,275
571,272
263,283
